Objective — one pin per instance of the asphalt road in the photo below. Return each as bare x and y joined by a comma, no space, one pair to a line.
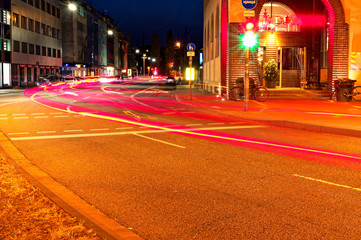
173,171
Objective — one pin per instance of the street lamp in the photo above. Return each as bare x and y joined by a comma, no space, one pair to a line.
72,7
110,32
178,45
144,57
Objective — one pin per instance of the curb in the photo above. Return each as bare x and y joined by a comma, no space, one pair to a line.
105,227
289,124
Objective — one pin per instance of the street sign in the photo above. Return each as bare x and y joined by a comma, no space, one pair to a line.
191,54
249,13
191,47
249,4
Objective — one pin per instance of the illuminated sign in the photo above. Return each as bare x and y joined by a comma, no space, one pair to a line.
249,4
190,74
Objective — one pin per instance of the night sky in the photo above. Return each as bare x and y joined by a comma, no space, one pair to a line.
138,17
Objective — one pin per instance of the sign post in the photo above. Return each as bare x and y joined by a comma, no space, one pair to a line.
191,47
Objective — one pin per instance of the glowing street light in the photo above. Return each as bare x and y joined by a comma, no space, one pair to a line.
110,32
72,7
137,51
178,44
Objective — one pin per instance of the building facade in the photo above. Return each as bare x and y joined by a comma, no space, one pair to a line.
36,41
5,44
312,41
92,43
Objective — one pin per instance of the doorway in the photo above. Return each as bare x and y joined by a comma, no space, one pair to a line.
291,67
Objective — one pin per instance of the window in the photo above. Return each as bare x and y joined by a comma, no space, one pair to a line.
16,46
23,0
16,20
43,5
53,12
31,48
37,50
58,33
43,29
54,52
48,8
24,22
31,25
57,12
49,52
43,51
24,47
37,27
59,54
37,3
53,32
31,2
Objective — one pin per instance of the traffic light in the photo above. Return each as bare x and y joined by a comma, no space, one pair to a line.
249,38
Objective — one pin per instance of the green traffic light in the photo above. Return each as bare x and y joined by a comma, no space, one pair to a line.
249,40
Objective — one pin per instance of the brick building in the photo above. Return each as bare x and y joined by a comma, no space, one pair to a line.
311,41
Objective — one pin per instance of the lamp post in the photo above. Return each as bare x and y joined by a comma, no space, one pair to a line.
144,57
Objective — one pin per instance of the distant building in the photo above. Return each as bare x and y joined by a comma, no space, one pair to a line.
36,41
92,44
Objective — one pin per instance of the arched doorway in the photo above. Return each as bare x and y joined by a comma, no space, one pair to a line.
335,33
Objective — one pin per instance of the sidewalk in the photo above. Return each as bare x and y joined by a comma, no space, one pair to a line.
341,118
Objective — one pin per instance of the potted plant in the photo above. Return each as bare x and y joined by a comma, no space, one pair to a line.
271,73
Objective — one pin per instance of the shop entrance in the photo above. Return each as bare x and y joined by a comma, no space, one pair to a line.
291,67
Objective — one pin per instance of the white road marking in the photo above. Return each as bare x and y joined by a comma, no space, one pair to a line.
19,114
72,131
3,115
326,182
41,117
62,116
3,118
21,118
100,129
37,114
124,128
126,133
45,132
158,140
21,133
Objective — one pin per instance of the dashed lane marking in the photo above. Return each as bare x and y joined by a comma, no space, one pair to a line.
18,118
37,114
41,117
66,131
100,129
19,114
326,182
62,116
